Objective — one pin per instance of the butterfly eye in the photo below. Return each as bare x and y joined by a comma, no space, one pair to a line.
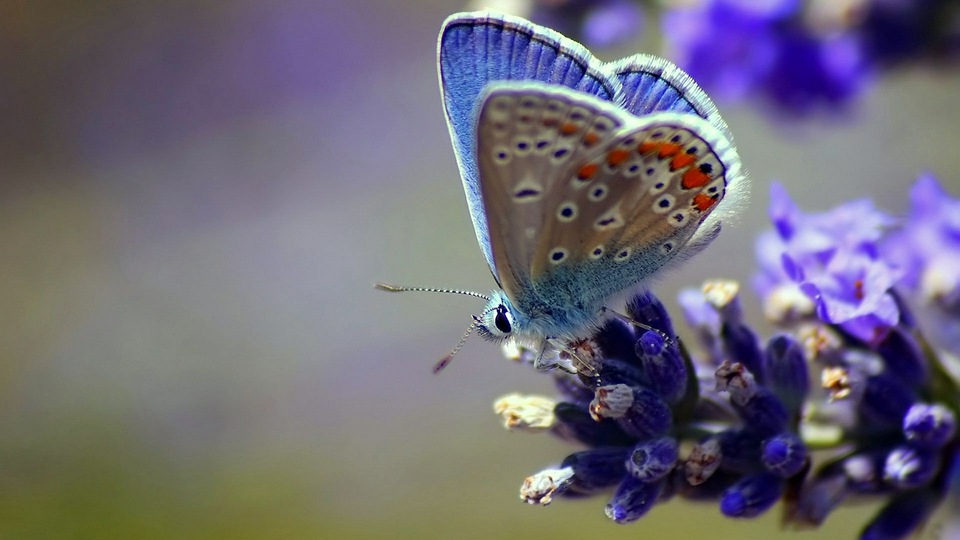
502,320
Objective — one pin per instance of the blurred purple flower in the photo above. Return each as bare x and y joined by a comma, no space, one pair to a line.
597,23
724,45
737,49
853,225
927,247
612,22
811,70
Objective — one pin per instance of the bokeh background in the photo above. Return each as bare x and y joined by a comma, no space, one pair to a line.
195,200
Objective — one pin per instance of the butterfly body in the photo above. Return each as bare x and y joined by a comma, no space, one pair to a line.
584,179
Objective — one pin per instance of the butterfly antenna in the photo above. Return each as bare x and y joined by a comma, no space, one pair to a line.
397,288
477,319
453,352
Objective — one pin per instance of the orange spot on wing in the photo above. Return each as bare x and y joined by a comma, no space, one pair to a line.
694,178
703,202
568,129
587,171
617,157
648,147
590,139
668,149
682,160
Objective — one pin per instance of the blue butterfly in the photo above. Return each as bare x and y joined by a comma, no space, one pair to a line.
584,179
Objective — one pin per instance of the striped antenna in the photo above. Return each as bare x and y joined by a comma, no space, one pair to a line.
473,326
397,288
477,319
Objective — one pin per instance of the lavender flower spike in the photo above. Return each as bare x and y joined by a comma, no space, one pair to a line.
887,405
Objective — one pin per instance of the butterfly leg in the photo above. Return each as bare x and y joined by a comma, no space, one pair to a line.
574,357
539,363
668,340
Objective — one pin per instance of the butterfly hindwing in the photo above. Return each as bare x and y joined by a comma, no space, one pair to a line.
652,85
656,184
583,196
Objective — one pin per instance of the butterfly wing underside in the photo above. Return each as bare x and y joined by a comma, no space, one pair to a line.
475,49
584,199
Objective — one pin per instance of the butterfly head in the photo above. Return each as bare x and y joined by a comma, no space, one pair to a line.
500,319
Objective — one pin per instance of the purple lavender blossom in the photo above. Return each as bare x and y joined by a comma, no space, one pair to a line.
853,291
738,49
801,57
926,250
810,71
929,426
752,495
927,247
597,23
612,22
832,258
723,44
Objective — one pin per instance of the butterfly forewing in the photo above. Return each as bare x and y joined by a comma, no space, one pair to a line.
530,136
475,49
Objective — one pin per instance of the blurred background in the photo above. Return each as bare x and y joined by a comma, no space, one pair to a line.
195,200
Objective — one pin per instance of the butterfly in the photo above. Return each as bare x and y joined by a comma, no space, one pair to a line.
583,179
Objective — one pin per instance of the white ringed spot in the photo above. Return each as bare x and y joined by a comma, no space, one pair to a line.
502,155
664,204
567,212
598,192
523,146
558,255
